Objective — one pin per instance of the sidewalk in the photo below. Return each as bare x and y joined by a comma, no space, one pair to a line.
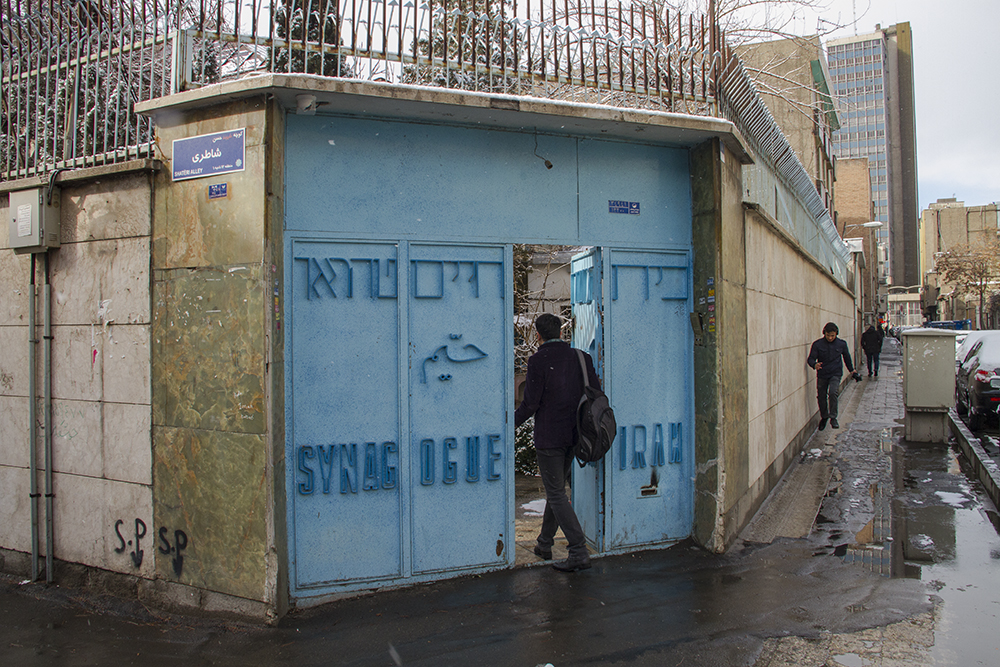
869,410
854,520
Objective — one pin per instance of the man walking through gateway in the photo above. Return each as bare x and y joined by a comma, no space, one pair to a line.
552,390
825,356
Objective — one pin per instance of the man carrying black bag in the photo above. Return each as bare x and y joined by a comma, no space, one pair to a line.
552,391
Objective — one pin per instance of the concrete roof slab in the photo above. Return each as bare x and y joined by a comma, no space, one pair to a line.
441,105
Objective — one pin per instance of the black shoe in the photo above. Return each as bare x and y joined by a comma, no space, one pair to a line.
544,554
834,423
869,375
572,565
876,373
822,423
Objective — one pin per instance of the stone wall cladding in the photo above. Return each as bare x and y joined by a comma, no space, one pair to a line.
212,498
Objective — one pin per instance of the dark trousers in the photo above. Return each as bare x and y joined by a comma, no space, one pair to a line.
554,466
872,359
827,393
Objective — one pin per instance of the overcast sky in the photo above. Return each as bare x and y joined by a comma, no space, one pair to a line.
955,60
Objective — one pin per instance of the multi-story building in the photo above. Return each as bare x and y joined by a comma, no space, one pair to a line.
855,221
873,81
946,224
793,79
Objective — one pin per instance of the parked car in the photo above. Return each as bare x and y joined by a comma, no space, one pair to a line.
977,383
964,342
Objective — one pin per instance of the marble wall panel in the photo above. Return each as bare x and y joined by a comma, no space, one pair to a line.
758,368
106,209
212,486
14,361
15,285
208,361
128,454
126,366
101,281
220,232
15,510
247,112
14,427
191,230
77,434
4,213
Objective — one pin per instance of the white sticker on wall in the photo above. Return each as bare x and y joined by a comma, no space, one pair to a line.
24,220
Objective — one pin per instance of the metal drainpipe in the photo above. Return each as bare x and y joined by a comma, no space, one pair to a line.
32,428
47,346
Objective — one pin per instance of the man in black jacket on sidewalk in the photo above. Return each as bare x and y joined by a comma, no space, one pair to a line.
825,356
871,343
552,391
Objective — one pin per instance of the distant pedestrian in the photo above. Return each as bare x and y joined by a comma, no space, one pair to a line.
552,390
825,356
871,343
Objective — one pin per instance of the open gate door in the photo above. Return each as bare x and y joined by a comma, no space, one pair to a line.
631,314
586,298
649,370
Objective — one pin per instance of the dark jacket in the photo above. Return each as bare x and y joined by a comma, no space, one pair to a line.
871,340
830,355
552,391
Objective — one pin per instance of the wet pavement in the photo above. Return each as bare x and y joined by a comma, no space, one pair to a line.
900,567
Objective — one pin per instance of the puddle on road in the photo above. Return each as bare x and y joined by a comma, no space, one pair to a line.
932,522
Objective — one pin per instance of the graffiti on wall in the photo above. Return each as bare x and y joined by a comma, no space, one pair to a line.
179,544
140,532
166,547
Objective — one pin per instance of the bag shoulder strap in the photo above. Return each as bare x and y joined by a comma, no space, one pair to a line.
583,367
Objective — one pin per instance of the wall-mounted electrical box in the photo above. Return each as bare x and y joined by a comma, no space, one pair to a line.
33,222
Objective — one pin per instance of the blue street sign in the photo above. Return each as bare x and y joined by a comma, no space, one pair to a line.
209,154
218,191
625,207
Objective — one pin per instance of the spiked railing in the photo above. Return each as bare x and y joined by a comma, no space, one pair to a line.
71,70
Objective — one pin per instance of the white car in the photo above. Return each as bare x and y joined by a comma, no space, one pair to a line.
968,340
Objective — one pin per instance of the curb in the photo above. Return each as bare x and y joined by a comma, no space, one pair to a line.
986,469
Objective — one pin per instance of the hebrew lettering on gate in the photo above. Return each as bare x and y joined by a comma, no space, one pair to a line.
334,277
431,275
668,282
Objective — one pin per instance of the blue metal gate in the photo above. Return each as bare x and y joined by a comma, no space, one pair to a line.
631,310
398,418
399,358
649,365
459,359
588,335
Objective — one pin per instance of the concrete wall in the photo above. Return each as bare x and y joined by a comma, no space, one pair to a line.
102,510
789,299
755,397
